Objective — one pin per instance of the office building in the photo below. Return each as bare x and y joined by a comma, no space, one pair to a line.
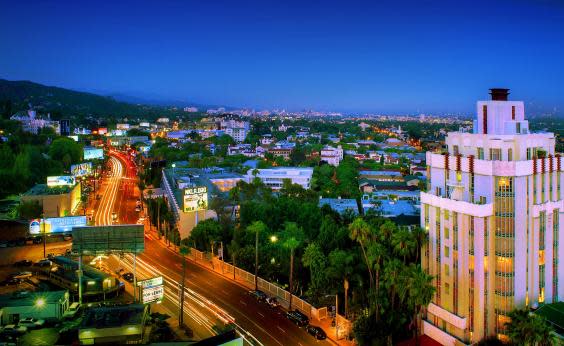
492,209
274,177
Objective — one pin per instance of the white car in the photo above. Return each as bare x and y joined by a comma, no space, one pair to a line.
31,323
71,311
12,329
22,275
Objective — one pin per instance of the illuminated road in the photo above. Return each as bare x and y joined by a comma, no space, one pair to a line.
210,299
103,214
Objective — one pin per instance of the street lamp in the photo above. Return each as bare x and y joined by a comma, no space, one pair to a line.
273,238
40,303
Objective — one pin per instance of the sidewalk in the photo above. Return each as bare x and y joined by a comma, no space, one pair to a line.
325,323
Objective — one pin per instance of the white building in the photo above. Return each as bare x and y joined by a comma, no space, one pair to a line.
30,123
493,211
332,156
274,177
236,129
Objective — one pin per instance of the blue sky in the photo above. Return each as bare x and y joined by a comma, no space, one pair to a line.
380,56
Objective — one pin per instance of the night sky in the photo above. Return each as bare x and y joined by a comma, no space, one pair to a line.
352,56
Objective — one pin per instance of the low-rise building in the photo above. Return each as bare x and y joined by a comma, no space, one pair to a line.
56,201
49,306
283,152
32,124
340,205
332,156
274,177
114,325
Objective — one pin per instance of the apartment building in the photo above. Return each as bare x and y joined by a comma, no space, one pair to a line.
274,177
492,209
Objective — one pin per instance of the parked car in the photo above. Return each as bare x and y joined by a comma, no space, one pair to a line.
23,263
258,295
128,277
11,282
114,216
31,323
138,208
298,318
44,262
317,332
12,329
272,302
21,275
72,311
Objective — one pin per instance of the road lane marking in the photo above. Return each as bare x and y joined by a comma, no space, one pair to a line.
242,302
282,330
225,292
260,314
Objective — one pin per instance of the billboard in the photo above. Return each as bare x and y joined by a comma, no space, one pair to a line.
62,180
93,153
122,126
195,198
152,290
81,169
98,240
56,224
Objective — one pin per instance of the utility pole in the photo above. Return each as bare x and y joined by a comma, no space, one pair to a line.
80,278
44,236
256,261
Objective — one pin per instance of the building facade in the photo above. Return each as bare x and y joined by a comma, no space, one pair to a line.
332,156
492,210
274,177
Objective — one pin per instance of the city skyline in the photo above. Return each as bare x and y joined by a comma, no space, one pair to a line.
405,58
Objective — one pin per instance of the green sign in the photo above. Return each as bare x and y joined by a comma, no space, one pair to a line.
151,282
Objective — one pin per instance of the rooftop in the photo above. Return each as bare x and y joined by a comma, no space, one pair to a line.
114,316
27,298
43,189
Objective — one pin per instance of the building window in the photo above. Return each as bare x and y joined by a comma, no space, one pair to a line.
529,153
495,154
512,112
485,118
480,153
447,288
447,270
509,154
455,150
518,127
446,233
447,252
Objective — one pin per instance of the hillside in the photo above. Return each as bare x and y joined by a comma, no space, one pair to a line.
60,101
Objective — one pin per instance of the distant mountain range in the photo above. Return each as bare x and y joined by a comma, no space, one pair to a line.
24,94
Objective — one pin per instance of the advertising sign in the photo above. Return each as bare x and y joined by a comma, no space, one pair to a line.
152,290
73,137
151,282
81,169
195,198
153,294
93,153
56,224
98,240
63,180
122,126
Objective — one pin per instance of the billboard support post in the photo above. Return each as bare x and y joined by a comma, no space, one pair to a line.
80,279
134,277
44,239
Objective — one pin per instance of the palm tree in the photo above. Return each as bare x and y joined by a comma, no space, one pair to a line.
377,253
292,240
362,233
233,249
420,291
256,228
529,329
403,243
341,266
421,237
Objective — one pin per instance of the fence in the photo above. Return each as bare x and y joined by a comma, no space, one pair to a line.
248,279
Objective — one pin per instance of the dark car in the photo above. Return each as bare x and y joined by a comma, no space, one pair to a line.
11,282
317,332
272,302
23,263
298,318
258,295
128,277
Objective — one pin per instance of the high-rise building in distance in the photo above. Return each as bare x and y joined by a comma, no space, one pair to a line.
492,209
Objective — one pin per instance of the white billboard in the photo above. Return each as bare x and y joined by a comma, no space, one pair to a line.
56,224
195,198
93,153
62,180
152,290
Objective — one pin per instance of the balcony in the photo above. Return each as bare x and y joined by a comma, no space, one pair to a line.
473,209
484,167
449,317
